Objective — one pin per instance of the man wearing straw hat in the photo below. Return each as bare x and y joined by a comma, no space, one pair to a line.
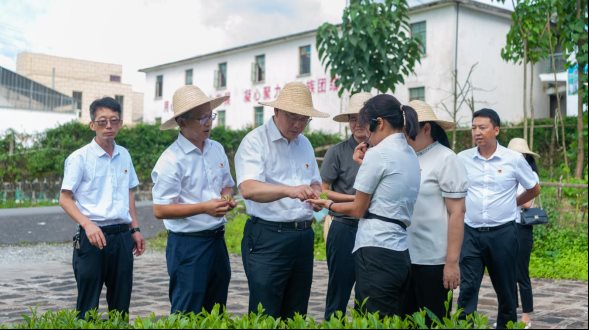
192,192
338,172
276,172
490,232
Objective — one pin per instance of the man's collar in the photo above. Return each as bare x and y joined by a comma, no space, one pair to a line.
274,132
499,153
186,146
99,152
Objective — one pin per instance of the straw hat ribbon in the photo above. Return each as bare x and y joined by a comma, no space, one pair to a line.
426,113
356,103
187,98
295,98
520,145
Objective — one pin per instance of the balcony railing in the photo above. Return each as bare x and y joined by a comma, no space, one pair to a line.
545,65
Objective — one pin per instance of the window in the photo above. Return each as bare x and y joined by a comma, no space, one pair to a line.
77,96
417,93
305,60
221,118
159,86
188,77
418,32
259,69
115,78
258,116
121,100
221,76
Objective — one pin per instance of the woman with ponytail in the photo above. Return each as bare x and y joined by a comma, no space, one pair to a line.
387,185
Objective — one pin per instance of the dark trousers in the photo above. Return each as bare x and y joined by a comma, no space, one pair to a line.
526,242
340,264
112,266
199,272
497,250
278,263
382,276
426,289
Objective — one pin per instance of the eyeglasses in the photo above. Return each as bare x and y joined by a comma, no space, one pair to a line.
104,122
297,118
205,119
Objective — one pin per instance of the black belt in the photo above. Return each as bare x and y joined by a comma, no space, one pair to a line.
483,229
345,221
369,215
203,233
113,229
297,225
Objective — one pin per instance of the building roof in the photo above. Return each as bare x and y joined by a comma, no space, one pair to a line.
424,5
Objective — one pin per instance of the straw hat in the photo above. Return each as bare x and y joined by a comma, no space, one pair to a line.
295,98
356,103
187,98
520,145
426,113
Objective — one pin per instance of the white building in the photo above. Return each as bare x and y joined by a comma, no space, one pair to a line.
458,34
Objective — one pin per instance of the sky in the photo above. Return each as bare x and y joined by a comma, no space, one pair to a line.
144,33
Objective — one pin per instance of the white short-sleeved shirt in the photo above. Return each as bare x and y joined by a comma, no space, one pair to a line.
185,175
390,173
265,155
521,190
442,176
100,183
492,184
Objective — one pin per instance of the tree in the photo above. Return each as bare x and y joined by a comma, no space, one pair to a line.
372,48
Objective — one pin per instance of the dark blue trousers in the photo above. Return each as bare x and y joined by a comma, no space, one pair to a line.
278,263
199,271
526,242
340,264
112,266
495,249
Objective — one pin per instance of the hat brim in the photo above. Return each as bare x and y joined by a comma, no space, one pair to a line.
344,117
171,123
303,111
446,125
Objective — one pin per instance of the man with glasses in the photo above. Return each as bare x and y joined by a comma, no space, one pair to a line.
276,172
97,194
192,192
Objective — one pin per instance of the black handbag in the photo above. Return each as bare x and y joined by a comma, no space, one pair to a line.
534,215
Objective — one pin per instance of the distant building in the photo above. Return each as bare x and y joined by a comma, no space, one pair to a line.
457,35
84,81
29,107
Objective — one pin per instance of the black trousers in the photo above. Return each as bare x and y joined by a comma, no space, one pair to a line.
426,289
497,251
340,264
526,242
199,272
278,263
112,266
382,276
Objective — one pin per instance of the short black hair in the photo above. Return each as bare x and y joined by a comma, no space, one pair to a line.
105,102
488,113
438,133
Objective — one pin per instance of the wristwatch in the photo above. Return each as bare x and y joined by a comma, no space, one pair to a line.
135,230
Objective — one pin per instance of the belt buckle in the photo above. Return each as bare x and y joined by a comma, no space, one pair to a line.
297,226
484,229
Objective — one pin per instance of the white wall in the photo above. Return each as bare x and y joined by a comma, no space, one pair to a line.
30,121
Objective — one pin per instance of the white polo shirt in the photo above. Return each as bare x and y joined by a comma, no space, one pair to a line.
100,183
390,173
186,175
492,185
265,155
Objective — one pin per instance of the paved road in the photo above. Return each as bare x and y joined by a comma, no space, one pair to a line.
51,224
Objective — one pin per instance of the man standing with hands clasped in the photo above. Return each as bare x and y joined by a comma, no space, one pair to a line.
97,194
490,232
276,172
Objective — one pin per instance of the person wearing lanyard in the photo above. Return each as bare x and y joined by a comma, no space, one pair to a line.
490,233
387,185
276,172
338,172
192,192
97,194
437,225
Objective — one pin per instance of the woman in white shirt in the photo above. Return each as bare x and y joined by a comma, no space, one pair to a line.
437,225
386,186
525,237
